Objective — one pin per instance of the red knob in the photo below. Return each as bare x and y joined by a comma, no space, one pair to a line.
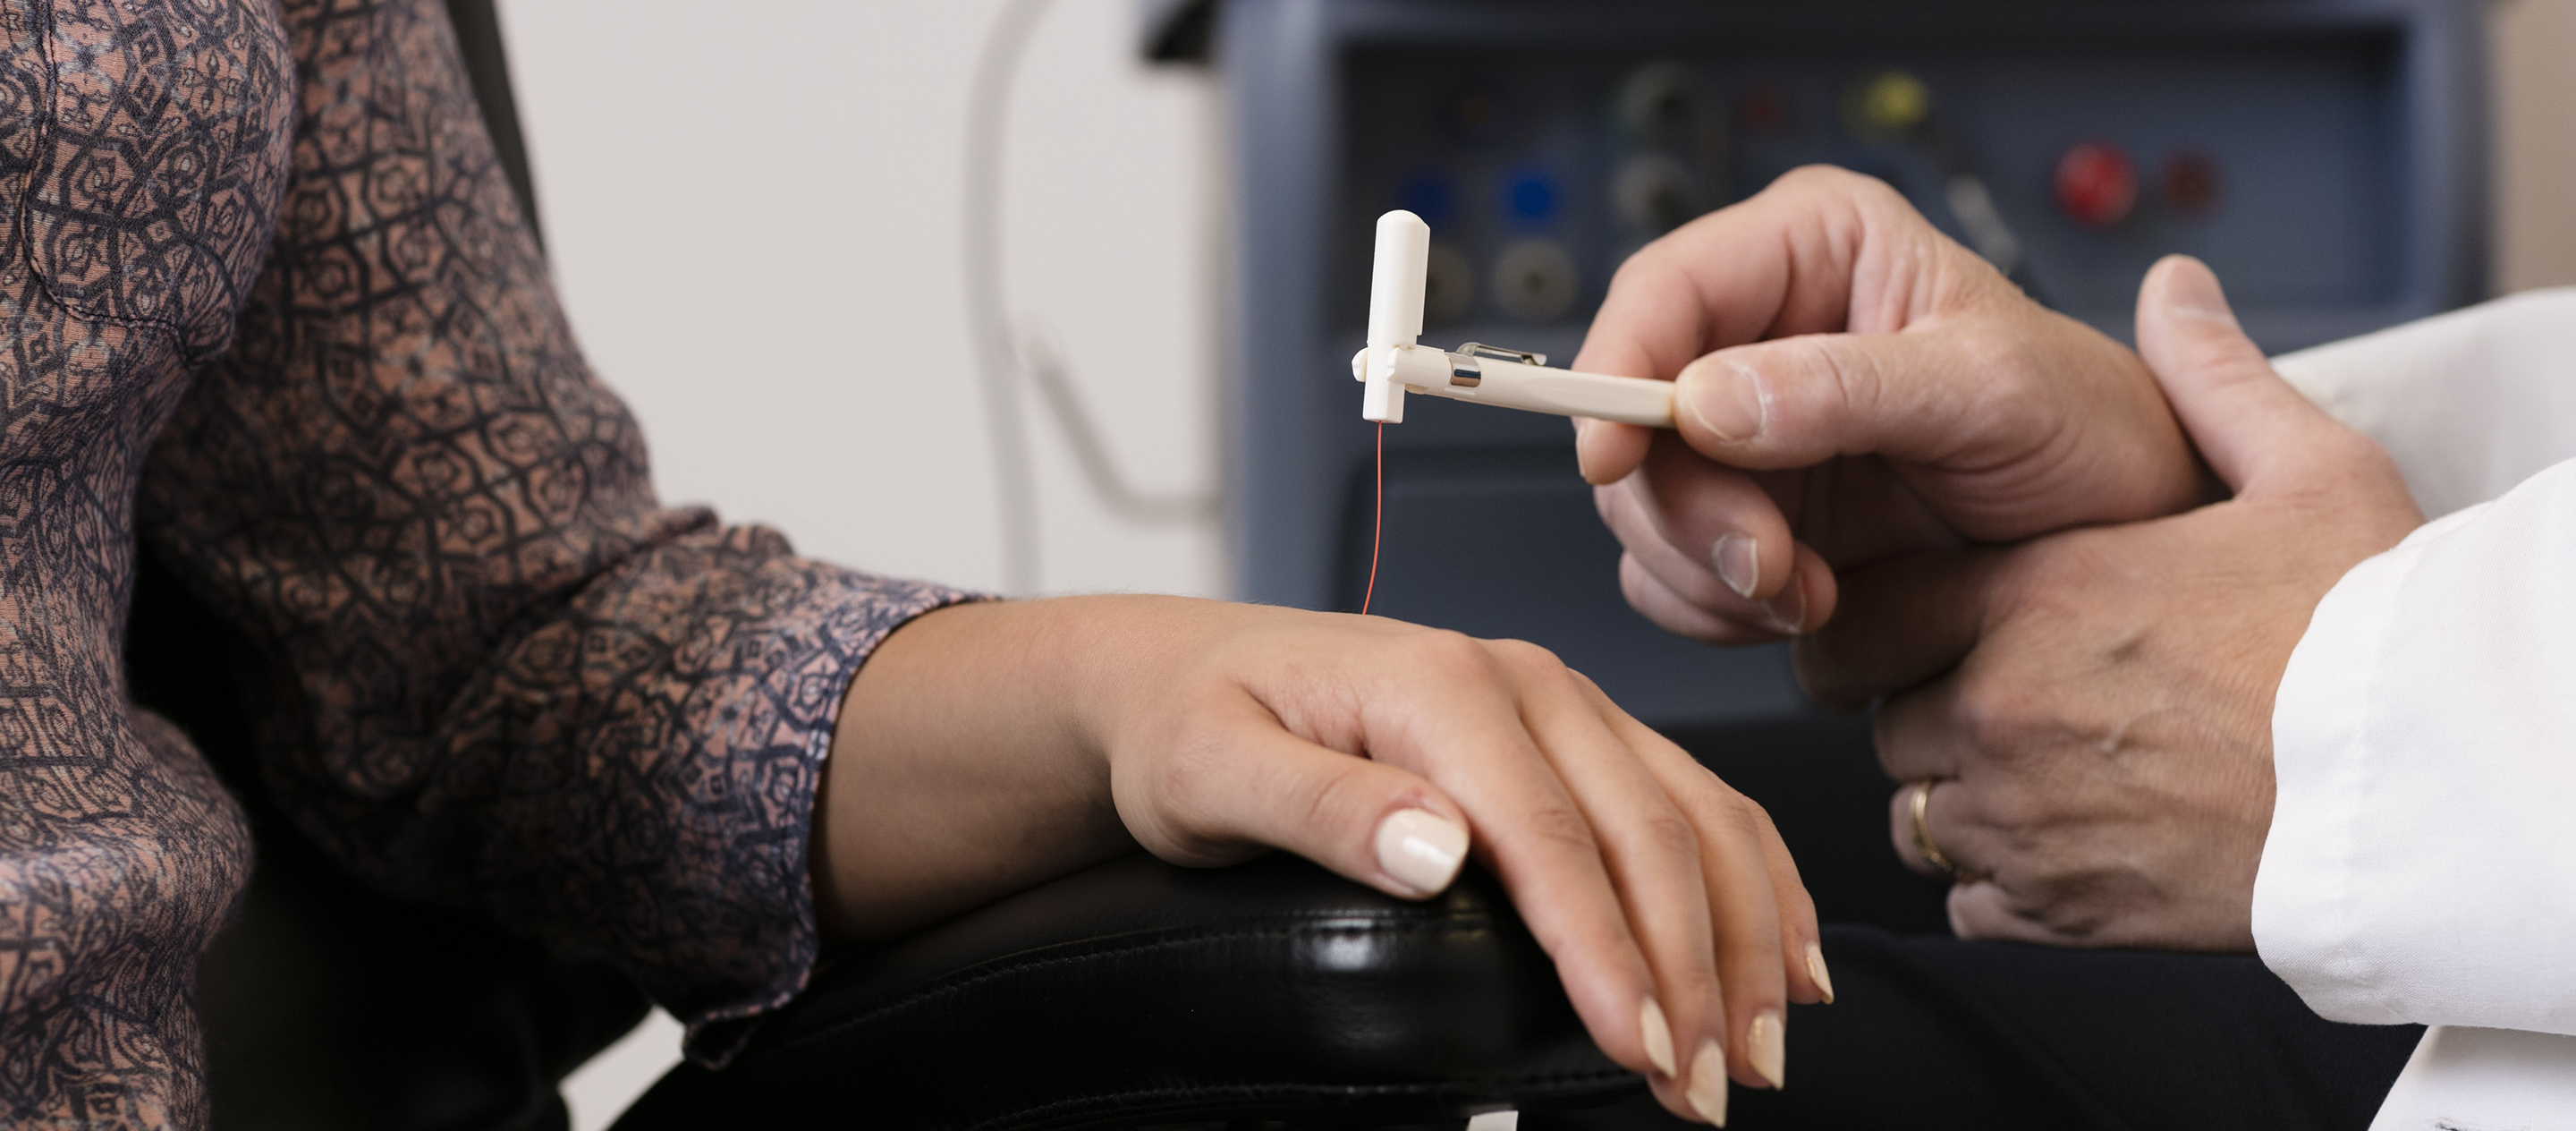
2096,184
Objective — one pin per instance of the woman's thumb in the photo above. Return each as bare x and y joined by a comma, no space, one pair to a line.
1369,821
2244,418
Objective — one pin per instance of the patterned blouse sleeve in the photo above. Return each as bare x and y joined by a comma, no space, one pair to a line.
494,672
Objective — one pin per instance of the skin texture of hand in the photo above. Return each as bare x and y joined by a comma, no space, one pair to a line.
2098,718
1853,386
987,748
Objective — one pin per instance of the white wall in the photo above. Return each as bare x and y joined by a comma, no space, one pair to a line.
753,211
754,215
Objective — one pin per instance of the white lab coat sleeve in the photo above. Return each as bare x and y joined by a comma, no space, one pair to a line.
2421,865
2470,403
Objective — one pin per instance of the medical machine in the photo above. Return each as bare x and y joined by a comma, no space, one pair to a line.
2327,157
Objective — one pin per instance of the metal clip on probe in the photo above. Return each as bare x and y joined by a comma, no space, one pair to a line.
1477,373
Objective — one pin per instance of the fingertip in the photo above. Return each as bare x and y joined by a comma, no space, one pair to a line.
1806,602
1766,1047
1656,1033
1972,907
1708,1083
1607,451
1420,851
2246,421
1979,909
2185,326
1722,404
1619,1009
1667,609
2185,287
1708,511
1819,977
1756,557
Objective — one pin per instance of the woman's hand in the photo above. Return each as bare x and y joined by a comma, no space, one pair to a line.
1853,385
987,748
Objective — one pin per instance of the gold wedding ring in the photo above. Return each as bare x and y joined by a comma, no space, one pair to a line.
1923,846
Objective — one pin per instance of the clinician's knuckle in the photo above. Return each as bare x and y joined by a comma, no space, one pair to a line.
1994,713
2016,813
1812,179
1835,181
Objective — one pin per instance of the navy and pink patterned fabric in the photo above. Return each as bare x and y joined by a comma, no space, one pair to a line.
268,306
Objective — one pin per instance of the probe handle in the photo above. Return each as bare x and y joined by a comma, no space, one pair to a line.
1565,392
1478,376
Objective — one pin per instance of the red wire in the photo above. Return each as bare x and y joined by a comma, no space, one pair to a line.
1377,534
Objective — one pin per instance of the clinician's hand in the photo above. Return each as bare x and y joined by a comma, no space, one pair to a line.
987,748
2102,755
1853,385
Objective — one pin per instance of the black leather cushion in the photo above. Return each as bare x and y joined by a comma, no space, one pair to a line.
1137,992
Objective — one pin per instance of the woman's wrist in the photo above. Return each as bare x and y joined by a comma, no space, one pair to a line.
967,763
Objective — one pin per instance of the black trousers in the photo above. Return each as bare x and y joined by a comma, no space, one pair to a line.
1928,1032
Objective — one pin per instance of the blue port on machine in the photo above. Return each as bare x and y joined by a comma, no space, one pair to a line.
2326,156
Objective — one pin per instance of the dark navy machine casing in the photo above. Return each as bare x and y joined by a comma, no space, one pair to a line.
2327,157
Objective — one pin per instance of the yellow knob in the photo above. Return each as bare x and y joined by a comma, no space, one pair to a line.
1895,102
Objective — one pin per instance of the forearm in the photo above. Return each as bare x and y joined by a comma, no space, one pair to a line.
959,771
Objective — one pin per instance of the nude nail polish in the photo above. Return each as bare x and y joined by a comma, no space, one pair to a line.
1658,1036
1421,850
1739,563
1707,1089
1816,971
1766,1044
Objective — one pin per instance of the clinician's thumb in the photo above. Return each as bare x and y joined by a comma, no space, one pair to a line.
2247,422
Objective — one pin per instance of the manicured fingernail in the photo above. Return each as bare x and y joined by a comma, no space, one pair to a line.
1725,398
1788,610
1816,971
1658,1036
1707,1089
1737,563
1420,849
1766,1044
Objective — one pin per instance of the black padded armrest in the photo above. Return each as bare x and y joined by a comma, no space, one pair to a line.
1136,992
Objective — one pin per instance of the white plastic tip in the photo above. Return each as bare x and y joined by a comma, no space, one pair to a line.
1397,278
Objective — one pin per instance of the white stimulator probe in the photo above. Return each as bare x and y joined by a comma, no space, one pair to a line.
1479,374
